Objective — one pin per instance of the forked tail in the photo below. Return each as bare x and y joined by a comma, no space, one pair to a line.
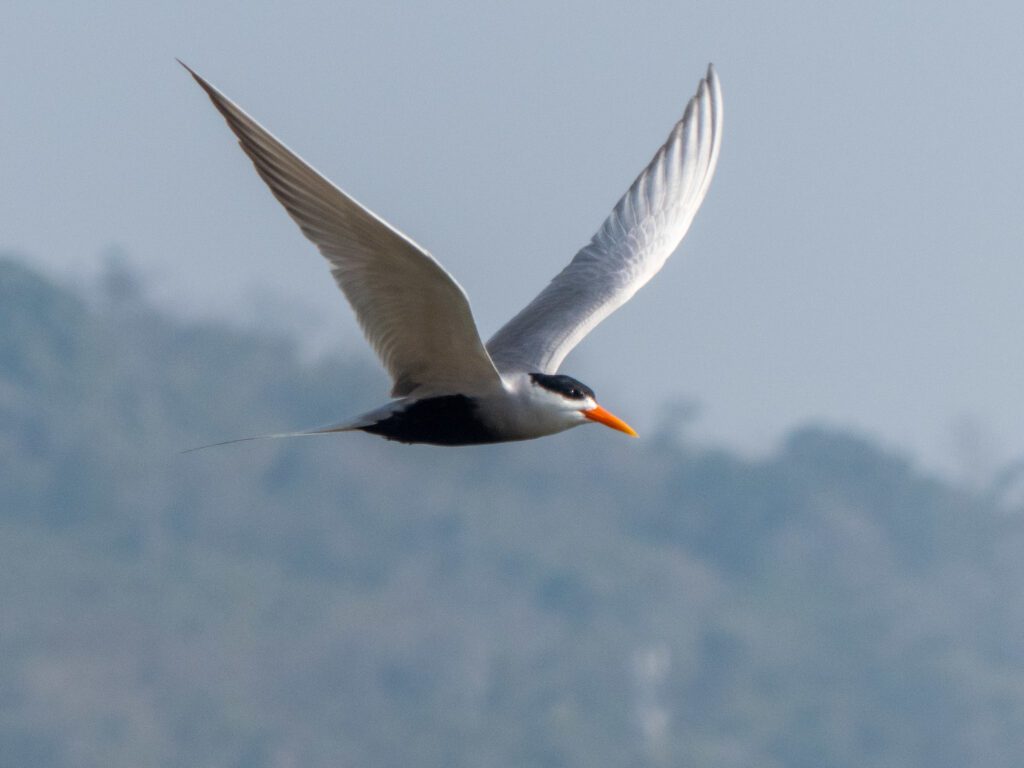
346,427
360,422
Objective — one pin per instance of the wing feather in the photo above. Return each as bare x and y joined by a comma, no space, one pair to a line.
413,313
631,246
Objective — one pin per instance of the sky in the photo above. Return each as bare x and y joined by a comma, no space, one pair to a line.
857,260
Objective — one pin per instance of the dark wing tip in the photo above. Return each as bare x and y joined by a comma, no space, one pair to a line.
211,91
187,68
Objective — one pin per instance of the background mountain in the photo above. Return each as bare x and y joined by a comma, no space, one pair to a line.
584,600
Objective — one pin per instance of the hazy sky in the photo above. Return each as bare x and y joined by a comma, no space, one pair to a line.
857,259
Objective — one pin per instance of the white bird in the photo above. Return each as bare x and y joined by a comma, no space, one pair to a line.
450,389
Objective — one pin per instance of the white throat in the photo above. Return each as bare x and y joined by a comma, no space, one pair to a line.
525,410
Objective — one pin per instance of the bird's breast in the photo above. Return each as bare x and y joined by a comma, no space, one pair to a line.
444,420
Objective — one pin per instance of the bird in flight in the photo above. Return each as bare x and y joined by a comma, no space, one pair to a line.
449,388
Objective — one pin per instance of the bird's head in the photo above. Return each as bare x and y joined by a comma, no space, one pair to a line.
576,400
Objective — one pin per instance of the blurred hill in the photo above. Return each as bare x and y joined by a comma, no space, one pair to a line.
584,600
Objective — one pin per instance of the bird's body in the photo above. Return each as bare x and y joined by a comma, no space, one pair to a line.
451,389
510,413
525,406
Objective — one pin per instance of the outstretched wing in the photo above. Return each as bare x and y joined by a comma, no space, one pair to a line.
632,245
413,313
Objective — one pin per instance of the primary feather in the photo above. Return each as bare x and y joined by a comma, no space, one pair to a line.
628,250
413,313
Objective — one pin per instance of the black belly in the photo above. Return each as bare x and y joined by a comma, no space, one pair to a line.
448,420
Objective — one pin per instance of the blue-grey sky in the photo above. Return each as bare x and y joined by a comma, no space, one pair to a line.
857,259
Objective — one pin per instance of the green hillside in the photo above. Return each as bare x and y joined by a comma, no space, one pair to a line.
581,601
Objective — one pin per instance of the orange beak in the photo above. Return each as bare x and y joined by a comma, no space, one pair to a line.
602,416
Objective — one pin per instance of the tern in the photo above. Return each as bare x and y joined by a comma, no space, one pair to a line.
448,387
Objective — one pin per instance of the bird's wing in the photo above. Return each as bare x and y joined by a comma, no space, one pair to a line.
632,245
414,314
